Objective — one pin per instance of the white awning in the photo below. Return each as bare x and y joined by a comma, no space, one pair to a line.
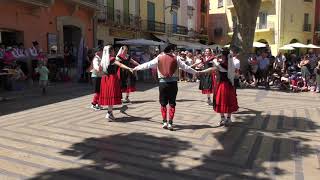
286,47
140,42
298,45
259,45
312,46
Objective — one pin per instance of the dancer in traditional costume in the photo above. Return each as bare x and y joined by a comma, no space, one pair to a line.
168,68
96,73
110,92
206,79
128,80
225,95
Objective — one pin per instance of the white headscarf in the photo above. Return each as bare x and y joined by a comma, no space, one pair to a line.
105,62
120,51
231,69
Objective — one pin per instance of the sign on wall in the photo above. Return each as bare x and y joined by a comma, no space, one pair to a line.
52,43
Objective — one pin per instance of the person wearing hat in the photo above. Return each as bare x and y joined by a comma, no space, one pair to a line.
225,95
168,68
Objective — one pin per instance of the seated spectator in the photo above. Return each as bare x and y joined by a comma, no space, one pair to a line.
8,58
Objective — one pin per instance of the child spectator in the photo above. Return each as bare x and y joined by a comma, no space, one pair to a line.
43,80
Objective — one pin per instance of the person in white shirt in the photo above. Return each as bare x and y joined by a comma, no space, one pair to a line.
236,63
96,74
167,65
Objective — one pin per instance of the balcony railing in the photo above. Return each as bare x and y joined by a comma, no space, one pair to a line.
307,27
261,26
203,31
112,16
176,29
153,26
45,3
317,28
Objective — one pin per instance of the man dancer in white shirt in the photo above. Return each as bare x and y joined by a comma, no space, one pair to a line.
168,73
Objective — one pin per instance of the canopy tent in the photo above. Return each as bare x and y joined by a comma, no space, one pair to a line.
286,47
255,44
259,45
298,45
312,46
140,42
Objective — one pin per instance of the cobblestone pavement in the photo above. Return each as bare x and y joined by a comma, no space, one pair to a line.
275,136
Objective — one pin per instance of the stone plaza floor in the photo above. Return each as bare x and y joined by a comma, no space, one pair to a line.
275,135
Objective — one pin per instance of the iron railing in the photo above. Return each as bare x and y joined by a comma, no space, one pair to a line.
153,26
268,25
307,27
45,3
177,29
112,16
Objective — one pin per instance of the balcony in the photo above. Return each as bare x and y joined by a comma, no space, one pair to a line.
317,30
176,29
153,26
265,27
43,3
115,17
307,27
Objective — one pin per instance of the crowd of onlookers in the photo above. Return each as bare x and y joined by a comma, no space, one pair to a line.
285,71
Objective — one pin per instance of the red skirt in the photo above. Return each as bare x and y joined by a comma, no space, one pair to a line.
110,92
226,98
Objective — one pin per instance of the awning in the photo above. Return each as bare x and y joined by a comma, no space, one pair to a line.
255,44
140,42
298,45
312,46
286,47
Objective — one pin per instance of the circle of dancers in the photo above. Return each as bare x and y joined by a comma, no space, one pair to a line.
114,74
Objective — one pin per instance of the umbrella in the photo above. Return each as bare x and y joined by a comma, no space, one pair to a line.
255,44
298,45
311,46
140,42
286,47
259,45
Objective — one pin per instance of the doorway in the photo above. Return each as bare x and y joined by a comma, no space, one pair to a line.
71,38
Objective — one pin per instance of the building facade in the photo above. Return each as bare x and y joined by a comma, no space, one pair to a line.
117,20
316,38
279,22
50,22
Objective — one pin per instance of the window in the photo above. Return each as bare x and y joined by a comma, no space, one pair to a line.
175,3
190,11
263,20
220,3
218,32
306,18
309,41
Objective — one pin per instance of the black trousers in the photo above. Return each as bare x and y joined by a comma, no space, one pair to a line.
96,84
168,93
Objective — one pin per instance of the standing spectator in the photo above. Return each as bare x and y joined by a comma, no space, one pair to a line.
304,65
280,63
254,66
317,73
236,63
189,62
66,63
43,71
8,56
34,53
263,68
145,58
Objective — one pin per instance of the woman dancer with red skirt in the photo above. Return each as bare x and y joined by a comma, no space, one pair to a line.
206,79
225,95
128,80
110,92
